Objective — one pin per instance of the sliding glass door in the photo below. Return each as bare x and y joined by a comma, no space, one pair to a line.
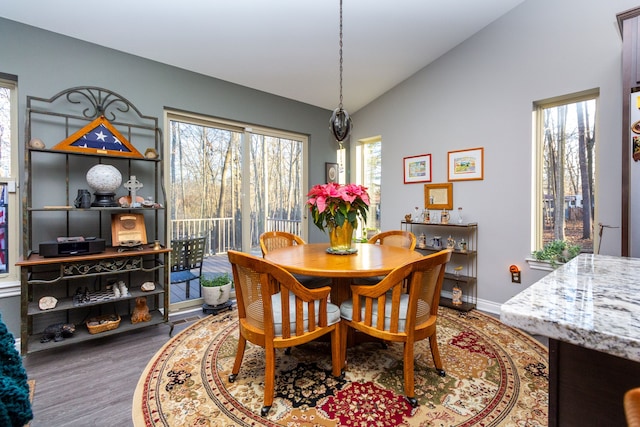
231,183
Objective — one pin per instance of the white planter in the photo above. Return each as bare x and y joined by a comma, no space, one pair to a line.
216,295
542,265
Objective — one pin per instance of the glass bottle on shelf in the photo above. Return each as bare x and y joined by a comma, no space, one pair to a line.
460,215
416,215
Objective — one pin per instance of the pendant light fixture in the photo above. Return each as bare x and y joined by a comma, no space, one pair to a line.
340,122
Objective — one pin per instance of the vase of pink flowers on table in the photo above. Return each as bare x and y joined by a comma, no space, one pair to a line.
336,208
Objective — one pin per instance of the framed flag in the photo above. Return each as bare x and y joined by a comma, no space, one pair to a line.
99,137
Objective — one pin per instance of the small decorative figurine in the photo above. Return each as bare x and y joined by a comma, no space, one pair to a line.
124,291
462,246
422,241
133,185
456,295
141,311
436,242
57,332
407,218
451,243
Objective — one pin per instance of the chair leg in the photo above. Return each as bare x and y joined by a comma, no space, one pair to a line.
336,351
269,380
344,332
242,344
435,353
408,374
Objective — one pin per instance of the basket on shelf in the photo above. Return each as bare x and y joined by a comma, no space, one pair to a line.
106,322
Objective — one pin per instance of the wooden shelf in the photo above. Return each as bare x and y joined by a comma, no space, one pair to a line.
465,306
467,259
110,253
67,303
82,334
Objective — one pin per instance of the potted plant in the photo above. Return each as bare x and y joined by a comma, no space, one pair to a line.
215,289
337,208
556,252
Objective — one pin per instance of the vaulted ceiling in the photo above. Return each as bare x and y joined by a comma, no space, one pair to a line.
285,47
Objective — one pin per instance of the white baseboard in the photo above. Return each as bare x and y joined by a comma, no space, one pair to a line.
9,289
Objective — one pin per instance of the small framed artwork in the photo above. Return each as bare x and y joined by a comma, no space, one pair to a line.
417,169
438,196
466,165
331,172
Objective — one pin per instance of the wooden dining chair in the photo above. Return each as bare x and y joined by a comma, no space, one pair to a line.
276,311
631,403
271,240
400,238
187,257
385,312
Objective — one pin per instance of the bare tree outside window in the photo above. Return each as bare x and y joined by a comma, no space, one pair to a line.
568,173
209,188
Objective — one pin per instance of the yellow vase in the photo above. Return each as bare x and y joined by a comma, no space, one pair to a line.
341,238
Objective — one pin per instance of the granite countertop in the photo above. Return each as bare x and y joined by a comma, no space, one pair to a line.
592,301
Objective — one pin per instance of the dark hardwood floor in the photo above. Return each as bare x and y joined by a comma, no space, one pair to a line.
92,383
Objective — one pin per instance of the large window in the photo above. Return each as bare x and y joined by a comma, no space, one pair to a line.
369,174
565,199
231,182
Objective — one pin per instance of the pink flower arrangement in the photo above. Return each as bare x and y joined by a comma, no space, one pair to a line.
332,204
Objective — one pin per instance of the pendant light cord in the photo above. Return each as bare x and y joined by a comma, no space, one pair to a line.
340,103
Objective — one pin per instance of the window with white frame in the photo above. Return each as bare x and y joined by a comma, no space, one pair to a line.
369,174
9,221
565,172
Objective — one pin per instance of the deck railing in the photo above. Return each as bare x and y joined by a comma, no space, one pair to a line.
222,233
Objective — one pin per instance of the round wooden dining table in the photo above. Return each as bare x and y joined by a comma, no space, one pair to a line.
313,260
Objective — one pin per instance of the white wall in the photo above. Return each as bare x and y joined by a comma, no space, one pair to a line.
481,94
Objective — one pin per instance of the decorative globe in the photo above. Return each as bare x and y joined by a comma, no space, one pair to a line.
104,179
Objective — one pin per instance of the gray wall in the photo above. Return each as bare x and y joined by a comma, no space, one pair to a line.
47,63
480,94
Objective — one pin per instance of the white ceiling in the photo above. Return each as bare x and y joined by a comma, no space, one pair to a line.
285,47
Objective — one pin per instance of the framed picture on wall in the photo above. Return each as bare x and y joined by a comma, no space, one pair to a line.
466,165
331,172
438,196
417,169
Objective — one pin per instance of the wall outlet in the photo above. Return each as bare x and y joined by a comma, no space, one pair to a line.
515,273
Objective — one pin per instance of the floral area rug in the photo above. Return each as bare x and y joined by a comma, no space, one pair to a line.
496,376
